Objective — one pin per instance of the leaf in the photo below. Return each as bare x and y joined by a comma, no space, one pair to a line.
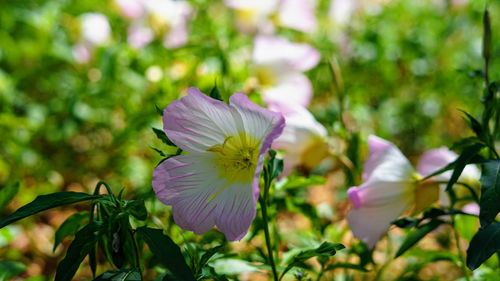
465,158
167,252
45,202
163,137
137,209
483,245
159,110
486,35
417,235
7,193
69,227
490,192
85,239
209,254
120,275
474,124
9,269
325,249
215,93
293,182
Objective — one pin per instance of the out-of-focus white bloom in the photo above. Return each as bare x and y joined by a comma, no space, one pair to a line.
304,140
341,10
95,31
133,9
95,28
261,15
166,19
279,64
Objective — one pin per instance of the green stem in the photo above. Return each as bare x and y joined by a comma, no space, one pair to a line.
459,249
263,207
136,252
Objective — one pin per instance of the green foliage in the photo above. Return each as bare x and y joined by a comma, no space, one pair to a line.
70,227
483,245
420,232
490,192
9,269
167,252
8,192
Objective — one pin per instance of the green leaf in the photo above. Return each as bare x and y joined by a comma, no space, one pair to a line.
7,193
120,275
167,252
45,202
486,35
490,192
137,209
163,137
9,269
474,124
293,181
215,93
417,235
209,254
85,239
70,226
483,245
325,249
159,110
466,157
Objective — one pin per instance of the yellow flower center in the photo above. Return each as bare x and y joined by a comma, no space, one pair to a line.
266,77
237,157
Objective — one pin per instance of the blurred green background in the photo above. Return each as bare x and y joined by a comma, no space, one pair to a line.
407,68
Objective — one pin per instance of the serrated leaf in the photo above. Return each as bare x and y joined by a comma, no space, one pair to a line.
463,159
120,275
85,239
70,226
7,193
490,192
163,137
483,245
9,269
417,235
45,202
167,252
137,209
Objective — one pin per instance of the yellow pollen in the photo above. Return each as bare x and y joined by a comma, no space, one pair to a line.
236,158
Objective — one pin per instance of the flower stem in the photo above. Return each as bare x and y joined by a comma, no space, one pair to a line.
263,207
465,271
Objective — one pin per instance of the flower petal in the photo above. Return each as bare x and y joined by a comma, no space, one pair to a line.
294,88
387,159
197,122
188,183
370,223
298,14
378,193
435,159
235,210
260,123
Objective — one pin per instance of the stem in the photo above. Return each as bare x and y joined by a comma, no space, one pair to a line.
263,207
136,252
459,249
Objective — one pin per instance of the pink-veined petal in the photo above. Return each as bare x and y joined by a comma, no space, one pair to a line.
188,182
378,193
235,210
370,223
197,122
260,123
386,157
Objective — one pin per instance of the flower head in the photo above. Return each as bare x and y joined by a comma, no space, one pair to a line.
303,139
390,187
279,64
95,31
216,181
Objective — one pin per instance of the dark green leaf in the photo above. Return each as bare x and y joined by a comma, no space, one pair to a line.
163,137
483,245
70,226
474,124
120,275
490,192
486,35
9,269
7,193
162,154
215,93
209,254
85,239
137,209
167,252
45,202
416,235
159,110
465,158
405,222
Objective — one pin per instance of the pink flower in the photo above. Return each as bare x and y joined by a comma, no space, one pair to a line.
387,191
304,140
216,182
133,9
95,31
279,64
